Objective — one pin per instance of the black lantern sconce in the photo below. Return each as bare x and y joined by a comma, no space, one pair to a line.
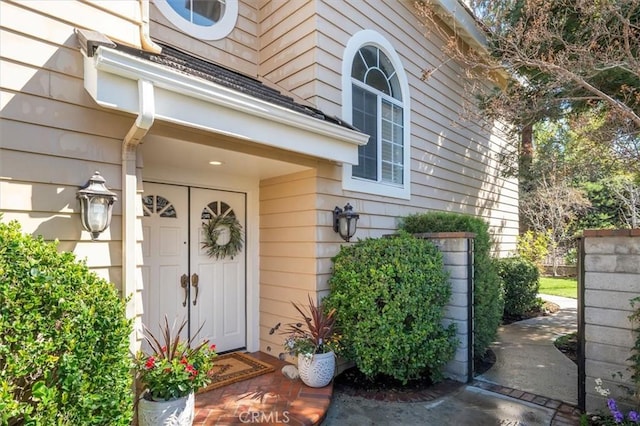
345,221
96,205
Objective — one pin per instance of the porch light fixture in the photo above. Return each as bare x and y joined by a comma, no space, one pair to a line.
96,205
345,221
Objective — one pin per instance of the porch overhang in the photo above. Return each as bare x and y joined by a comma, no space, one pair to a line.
112,78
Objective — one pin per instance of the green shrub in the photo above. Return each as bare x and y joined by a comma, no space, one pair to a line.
521,283
389,294
534,247
64,339
488,298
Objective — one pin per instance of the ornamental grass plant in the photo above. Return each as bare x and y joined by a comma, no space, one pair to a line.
315,335
173,368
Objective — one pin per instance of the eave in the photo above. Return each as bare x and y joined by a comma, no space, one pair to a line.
112,79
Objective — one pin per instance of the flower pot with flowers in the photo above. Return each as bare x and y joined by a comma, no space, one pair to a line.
313,342
169,375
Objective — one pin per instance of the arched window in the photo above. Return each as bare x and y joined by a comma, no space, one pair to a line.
204,19
375,100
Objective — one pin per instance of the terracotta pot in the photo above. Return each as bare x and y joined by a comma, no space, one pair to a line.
176,412
318,370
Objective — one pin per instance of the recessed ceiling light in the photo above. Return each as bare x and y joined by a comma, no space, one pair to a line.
215,163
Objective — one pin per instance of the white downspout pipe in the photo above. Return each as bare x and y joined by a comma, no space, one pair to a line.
131,209
145,39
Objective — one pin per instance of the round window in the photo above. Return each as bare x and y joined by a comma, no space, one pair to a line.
204,19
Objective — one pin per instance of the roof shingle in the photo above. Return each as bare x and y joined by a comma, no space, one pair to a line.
194,66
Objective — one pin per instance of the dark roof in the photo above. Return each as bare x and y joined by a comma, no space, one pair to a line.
192,65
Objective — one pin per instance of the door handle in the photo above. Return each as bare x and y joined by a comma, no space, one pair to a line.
194,284
184,283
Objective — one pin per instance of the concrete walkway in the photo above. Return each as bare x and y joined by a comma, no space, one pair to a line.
527,360
531,384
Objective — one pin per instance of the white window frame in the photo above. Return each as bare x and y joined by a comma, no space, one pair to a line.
217,31
373,38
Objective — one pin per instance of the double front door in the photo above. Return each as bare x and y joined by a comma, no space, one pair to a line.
181,281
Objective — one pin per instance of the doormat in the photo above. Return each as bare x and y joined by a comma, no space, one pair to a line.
235,367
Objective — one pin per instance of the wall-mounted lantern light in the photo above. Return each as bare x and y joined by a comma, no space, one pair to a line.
96,205
345,221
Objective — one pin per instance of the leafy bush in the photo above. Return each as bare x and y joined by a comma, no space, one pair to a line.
488,298
534,247
521,283
64,339
571,258
389,296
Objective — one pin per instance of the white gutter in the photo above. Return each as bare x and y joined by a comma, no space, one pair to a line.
463,22
183,99
138,130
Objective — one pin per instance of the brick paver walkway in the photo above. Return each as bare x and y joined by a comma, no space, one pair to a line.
273,399
267,399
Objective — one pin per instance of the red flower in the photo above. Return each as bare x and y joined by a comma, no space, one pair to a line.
184,360
151,362
193,372
212,347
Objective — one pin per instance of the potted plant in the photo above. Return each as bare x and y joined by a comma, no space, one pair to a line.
169,375
313,341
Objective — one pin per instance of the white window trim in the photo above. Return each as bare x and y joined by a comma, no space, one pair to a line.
217,31
358,40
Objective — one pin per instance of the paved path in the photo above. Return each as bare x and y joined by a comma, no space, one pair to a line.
526,386
527,360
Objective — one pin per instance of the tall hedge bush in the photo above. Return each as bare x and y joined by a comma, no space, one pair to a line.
64,339
390,294
488,294
521,282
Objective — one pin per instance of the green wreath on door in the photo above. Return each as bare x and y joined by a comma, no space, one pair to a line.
212,230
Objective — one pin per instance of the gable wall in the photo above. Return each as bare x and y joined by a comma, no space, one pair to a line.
453,160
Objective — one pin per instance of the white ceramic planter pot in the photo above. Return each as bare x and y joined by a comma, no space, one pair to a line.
177,412
318,370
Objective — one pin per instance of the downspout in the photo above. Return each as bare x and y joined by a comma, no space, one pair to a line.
131,276
145,39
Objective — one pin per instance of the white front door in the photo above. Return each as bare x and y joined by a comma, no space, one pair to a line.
180,280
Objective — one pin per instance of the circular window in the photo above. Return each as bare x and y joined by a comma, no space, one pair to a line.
204,19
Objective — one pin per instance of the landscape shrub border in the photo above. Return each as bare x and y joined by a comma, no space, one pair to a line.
64,338
389,295
521,281
488,294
